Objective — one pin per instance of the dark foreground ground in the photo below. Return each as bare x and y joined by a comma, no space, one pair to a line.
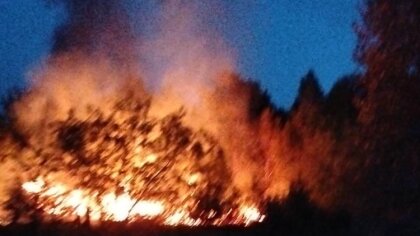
150,229
278,228
295,215
340,224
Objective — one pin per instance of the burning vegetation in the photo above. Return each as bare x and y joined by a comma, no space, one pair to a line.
93,143
127,166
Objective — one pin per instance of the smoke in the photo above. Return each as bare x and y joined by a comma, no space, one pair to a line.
91,63
99,56
193,68
95,26
183,58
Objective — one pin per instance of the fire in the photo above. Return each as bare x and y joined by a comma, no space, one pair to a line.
251,214
148,208
127,166
59,201
94,144
34,186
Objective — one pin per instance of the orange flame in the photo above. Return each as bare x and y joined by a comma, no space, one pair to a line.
66,204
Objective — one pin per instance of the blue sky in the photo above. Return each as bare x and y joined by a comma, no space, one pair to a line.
276,41
26,27
286,38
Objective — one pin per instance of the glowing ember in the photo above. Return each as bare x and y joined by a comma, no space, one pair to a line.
181,217
251,215
192,179
117,207
34,186
148,209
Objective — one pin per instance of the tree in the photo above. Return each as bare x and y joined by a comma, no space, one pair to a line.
308,105
339,109
389,50
389,39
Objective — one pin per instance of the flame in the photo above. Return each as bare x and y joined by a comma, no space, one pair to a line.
192,179
251,214
128,158
148,208
58,200
34,186
177,178
119,173
181,217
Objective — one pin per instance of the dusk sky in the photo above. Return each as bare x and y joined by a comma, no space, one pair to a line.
276,42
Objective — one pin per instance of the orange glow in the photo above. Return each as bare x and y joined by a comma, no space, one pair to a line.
57,200
126,166
34,186
251,214
181,218
148,209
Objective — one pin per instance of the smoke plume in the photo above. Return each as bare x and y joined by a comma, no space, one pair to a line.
99,57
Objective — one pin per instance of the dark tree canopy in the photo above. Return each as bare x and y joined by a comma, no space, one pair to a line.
309,90
389,37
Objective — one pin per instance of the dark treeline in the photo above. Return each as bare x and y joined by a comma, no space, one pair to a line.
358,146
